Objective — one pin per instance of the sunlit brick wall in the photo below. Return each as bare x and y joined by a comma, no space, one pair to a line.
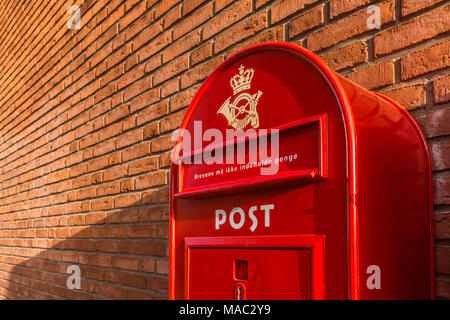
86,116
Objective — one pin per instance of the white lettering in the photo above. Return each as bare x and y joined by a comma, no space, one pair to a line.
221,217
267,209
241,223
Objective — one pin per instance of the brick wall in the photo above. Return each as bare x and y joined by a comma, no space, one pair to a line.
86,116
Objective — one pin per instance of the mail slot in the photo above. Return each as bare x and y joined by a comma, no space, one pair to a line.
289,181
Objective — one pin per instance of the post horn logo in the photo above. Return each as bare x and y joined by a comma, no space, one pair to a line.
242,111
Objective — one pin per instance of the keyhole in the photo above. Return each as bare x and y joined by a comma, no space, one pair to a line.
239,292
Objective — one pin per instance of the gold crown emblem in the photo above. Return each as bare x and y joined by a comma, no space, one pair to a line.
242,80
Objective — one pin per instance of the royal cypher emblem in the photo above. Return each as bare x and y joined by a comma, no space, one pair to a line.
242,111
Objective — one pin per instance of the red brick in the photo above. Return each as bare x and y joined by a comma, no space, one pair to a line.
151,130
338,7
151,179
171,69
153,112
86,193
162,143
198,17
110,131
165,160
137,88
130,76
221,4
127,185
286,8
115,158
115,173
172,17
144,100
133,14
171,122
306,21
410,97
100,260
240,31
181,46
183,99
155,46
104,147
350,26
98,164
150,197
114,232
144,165
153,63
442,225
170,87
148,265
129,138
191,5
162,7
162,266
128,200
260,3
375,76
135,152
108,188
440,152
127,263
411,6
158,284
142,231
426,60
111,291
153,248
435,122
200,72
102,204
442,190
443,288
141,23
419,29
201,53
347,56
441,89
227,18
133,280
164,195
443,259
273,34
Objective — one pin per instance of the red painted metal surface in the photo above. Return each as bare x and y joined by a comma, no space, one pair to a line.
296,262
356,175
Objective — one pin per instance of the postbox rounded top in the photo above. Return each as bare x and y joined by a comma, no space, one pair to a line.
265,86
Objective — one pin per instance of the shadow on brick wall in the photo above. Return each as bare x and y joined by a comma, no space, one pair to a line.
121,255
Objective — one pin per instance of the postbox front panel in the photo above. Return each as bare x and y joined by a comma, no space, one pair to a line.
307,195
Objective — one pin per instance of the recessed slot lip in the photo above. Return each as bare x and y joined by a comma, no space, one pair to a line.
281,129
240,271
252,183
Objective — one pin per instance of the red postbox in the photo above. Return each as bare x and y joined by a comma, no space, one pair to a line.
338,206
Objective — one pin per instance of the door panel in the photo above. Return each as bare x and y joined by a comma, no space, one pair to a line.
288,267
